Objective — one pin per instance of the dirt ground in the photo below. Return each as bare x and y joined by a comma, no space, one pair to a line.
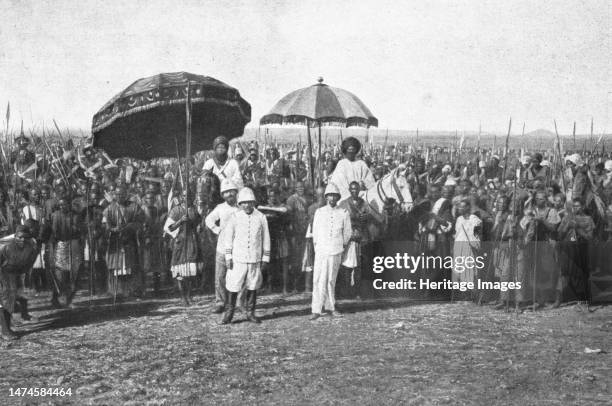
379,353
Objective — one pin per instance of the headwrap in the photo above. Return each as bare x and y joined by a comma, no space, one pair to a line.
350,141
220,140
575,159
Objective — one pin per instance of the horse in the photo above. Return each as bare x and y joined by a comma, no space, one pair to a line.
394,186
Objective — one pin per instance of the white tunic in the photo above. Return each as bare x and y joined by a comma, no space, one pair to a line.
348,171
229,170
222,213
246,238
331,230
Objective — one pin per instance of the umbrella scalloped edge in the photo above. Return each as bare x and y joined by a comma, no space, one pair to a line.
328,121
102,120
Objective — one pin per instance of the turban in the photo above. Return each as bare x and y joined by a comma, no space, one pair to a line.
608,165
220,140
350,141
545,163
575,159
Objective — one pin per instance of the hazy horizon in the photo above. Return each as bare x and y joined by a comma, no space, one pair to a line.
443,65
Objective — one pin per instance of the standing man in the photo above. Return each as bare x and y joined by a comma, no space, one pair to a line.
221,165
66,231
216,222
331,233
298,212
362,218
181,224
121,222
16,258
247,249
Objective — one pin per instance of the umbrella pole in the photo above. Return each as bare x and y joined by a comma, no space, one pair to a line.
320,175
310,168
187,135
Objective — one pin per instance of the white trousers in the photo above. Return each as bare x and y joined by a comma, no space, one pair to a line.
243,274
324,282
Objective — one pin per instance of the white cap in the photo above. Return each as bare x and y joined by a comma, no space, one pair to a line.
332,189
227,184
246,195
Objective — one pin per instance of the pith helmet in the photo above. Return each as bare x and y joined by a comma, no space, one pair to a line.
332,189
246,195
227,184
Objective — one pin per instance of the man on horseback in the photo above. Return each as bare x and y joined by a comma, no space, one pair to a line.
350,169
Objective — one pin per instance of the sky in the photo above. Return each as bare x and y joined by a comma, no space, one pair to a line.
435,65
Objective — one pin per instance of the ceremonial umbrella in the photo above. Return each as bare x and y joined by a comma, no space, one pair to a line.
320,104
150,117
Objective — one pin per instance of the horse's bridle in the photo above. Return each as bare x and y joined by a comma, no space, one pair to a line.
381,192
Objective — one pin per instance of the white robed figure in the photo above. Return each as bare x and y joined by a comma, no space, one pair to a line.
467,243
222,165
350,169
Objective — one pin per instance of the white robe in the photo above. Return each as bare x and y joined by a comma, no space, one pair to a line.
349,171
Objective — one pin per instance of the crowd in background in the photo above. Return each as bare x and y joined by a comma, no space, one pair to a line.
130,228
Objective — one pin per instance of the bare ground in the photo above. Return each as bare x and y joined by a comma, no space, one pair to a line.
379,353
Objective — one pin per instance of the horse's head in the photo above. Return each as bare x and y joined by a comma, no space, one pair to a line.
400,189
209,188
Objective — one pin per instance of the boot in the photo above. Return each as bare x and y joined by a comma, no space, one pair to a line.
231,305
251,300
23,305
5,324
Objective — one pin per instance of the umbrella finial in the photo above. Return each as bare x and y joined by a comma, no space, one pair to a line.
320,80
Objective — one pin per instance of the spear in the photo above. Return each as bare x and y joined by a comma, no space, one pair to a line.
591,136
506,150
574,135
560,156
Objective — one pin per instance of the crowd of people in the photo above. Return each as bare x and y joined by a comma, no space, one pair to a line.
249,220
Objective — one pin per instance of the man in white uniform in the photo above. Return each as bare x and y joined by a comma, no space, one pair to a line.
331,233
247,249
216,222
221,165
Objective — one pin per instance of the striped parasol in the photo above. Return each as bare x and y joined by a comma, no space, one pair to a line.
322,104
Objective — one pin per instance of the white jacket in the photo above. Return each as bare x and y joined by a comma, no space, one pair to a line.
331,230
222,213
246,238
